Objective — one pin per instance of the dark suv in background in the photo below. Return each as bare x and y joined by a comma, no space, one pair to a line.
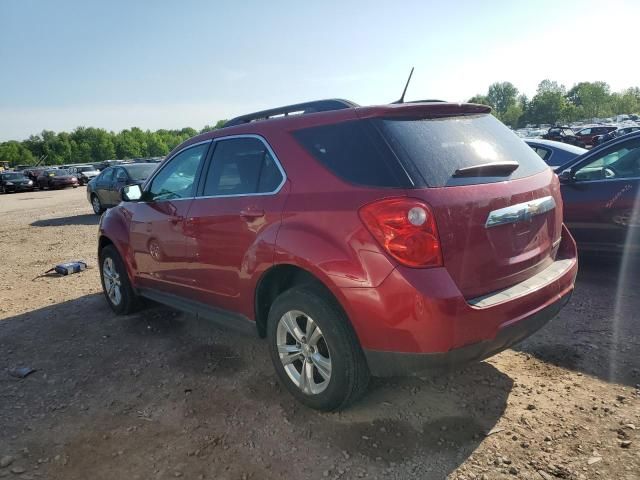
382,240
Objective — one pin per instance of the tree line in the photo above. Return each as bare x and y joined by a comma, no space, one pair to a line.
553,103
93,145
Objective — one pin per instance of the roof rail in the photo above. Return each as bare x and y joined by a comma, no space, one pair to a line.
299,108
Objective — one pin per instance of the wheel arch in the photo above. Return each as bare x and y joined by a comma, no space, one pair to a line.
280,278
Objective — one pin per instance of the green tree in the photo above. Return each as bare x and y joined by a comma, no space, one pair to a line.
549,103
16,153
592,98
501,96
480,100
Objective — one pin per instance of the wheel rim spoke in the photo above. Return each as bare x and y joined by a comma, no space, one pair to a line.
289,353
322,364
292,326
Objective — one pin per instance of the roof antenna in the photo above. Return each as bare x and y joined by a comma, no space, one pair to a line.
401,100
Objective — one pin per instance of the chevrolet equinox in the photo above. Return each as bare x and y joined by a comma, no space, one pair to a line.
382,240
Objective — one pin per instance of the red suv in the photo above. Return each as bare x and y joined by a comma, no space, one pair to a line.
359,241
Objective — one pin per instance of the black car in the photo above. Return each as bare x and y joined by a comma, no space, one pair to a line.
564,135
600,139
15,182
104,190
554,153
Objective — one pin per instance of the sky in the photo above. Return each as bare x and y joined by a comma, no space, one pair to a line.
171,64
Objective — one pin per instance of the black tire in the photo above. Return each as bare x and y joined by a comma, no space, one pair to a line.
129,301
349,375
96,204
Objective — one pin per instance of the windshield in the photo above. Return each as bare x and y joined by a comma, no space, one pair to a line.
59,172
12,176
140,172
86,169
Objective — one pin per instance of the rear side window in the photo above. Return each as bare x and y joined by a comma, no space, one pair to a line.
354,152
242,166
433,149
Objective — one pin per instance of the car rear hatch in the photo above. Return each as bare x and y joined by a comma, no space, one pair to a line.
497,205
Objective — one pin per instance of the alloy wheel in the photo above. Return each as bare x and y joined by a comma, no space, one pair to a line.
304,352
111,280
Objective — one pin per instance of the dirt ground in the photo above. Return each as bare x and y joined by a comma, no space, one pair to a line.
163,395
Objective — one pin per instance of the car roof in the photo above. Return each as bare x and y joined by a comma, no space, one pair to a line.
558,145
294,122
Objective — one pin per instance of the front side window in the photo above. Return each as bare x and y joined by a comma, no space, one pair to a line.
177,179
619,162
586,131
242,166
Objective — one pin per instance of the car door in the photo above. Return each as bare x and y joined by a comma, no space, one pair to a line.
232,224
102,186
585,136
157,222
601,199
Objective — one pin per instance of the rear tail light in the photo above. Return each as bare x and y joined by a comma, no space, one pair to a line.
406,229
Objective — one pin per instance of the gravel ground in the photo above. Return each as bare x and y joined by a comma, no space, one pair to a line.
162,395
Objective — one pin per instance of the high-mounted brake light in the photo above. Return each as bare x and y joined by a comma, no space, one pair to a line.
406,229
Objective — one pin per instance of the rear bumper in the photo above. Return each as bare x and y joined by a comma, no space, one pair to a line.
388,364
418,318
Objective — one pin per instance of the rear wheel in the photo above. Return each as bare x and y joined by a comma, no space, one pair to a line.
115,282
97,206
314,350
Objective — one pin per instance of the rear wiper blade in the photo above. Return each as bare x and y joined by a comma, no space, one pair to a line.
487,169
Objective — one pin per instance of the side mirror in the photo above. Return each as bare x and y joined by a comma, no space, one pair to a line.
566,176
131,193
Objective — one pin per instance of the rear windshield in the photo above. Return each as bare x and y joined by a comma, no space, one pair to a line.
418,153
432,150
140,172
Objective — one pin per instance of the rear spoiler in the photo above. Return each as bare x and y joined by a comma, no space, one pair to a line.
423,110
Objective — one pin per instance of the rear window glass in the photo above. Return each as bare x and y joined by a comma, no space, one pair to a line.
433,149
355,152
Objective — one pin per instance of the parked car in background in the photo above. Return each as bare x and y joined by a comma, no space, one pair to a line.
57,178
103,191
564,135
85,173
600,139
33,173
587,134
380,240
600,190
14,182
554,153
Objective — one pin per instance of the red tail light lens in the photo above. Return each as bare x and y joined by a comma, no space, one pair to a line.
406,229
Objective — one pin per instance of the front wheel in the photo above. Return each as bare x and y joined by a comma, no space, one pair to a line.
314,350
115,282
